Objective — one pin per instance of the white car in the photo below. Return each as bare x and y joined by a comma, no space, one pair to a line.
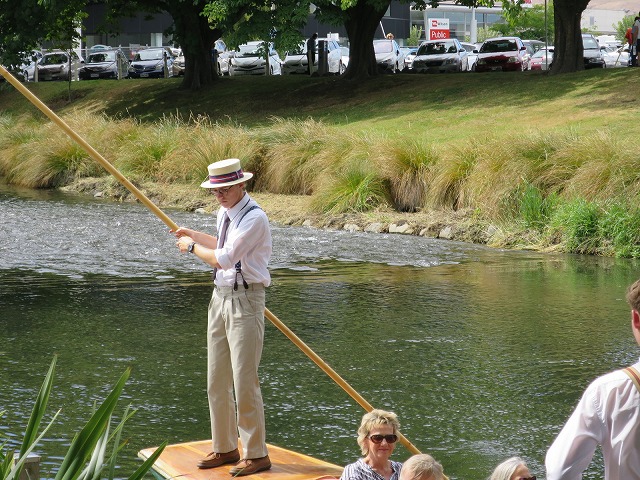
249,60
345,56
471,57
389,57
441,56
409,55
615,57
296,60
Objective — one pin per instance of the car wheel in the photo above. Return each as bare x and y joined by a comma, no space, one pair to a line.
25,76
341,69
219,69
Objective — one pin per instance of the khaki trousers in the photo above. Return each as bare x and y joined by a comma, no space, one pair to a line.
235,336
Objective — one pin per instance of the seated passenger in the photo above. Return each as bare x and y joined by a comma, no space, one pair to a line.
422,467
513,468
377,438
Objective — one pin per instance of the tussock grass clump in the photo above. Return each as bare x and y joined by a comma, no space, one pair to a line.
299,152
358,188
407,166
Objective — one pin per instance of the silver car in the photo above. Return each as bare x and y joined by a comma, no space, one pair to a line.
441,56
389,57
54,65
296,60
249,60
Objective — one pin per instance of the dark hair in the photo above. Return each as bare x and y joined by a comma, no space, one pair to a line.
633,295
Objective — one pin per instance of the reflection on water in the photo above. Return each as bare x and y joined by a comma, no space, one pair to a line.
482,353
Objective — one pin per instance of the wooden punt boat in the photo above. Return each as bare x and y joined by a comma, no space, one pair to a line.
179,461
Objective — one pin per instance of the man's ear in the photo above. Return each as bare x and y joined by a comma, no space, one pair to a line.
635,319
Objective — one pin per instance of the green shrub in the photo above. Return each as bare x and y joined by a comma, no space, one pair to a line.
620,227
577,222
85,459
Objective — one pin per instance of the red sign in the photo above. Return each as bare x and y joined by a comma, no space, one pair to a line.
438,28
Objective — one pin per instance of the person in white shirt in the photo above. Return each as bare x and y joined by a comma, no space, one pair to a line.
235,332
608,415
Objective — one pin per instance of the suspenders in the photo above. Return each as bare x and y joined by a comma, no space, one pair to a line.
634,375
238,265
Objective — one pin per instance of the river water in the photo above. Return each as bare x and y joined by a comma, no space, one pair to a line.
482,353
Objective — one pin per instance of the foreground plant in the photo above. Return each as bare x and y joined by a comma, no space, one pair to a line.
85,459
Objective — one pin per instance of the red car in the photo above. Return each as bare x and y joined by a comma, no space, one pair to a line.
542,59
502,54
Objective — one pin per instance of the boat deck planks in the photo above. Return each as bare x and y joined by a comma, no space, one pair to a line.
179,461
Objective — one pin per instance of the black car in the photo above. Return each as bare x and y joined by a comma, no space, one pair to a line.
592,55
105,64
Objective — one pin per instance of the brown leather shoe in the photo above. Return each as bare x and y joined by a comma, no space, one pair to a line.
216,459
249,466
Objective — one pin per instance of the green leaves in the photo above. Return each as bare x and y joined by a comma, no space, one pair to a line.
85,459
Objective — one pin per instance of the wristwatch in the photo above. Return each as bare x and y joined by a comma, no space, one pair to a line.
190,247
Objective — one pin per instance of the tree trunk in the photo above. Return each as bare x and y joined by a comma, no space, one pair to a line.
361,24
197,41
568,52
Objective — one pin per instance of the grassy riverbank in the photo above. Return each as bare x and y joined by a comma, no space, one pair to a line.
522,161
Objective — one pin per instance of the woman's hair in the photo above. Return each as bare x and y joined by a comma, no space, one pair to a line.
507,468
422,467
373,419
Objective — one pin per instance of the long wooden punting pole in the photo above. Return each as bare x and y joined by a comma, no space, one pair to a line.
171,224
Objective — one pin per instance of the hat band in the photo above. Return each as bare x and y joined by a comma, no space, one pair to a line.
226,177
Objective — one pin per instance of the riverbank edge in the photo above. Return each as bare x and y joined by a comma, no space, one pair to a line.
295,210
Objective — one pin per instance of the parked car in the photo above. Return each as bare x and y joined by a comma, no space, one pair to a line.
249,60
409,56
222,55
105,64
54,65
150,62
441,56
614,57
591,51
533,45
542,59
295,61
178,64
502,54
344,56
472,53
389,57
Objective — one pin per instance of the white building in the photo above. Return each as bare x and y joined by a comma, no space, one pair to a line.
461,19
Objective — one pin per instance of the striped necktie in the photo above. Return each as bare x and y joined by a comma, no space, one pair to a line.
221,238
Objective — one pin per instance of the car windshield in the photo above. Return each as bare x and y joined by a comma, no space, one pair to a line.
149,54
589,43
248,51
102,57
438,48
385,46
55,59
499,46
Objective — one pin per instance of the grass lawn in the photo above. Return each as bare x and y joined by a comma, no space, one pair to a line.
439,108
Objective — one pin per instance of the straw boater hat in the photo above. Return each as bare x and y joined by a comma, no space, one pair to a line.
225,173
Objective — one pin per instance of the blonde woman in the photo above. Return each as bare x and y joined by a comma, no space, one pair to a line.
377,437
422,467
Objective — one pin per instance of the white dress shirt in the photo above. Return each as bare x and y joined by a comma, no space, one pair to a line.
608,414
248,242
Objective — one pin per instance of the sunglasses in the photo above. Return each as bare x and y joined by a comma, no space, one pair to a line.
378,438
